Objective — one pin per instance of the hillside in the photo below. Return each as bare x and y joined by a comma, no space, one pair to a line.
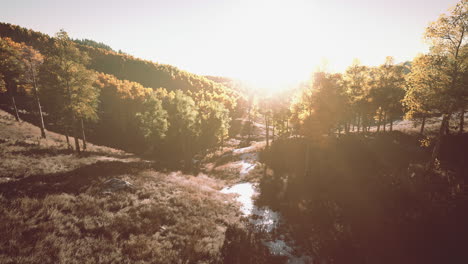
119,100
106,206
123,66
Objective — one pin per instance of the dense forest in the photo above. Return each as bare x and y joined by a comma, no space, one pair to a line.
368,165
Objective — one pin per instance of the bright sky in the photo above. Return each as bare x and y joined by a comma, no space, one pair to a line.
268,43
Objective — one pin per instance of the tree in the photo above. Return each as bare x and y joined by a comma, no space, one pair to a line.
153,121
11,68
214,123
184,127
32,60
265,108
252,113
448,36
426,87
281,114
387,91
356,81
67,85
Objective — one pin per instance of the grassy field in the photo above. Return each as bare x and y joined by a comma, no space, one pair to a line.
57,207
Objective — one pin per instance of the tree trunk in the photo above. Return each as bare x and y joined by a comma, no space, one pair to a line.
76,134
13,102
307,157
68,139
447,127
436,150
83,135
462,120
363,123
423,123
358,123
391,124
380,120
273,133
385,121
39,109
267,127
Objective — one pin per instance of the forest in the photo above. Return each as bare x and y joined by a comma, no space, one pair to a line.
368,165
78,86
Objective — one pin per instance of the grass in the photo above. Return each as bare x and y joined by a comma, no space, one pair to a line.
229,162
54,207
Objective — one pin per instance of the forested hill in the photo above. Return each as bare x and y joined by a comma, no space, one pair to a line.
111,98
122,66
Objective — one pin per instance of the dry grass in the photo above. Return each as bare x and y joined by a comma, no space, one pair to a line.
235,163
53,207
168,219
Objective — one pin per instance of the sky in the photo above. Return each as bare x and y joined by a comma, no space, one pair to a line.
266,43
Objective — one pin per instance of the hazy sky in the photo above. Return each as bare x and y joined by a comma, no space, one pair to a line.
261,41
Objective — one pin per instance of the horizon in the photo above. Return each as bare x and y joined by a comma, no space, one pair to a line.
247,41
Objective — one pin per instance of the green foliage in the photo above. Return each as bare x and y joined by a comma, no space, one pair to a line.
183,114
92,43
387,89
153,121
214,123
66,83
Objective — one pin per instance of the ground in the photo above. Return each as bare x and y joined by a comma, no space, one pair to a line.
57,207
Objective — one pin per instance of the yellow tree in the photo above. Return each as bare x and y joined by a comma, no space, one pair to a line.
448,36
32,60
356,80
67,85
426,87
11,69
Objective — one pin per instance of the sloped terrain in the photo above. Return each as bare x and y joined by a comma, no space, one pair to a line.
105,206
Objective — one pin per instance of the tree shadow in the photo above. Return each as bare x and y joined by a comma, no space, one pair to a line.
80,180
63,151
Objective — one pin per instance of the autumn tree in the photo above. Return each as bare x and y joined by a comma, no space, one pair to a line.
281,115
356,81
426,87
32,60
448,36
387,91
67,85
11,68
